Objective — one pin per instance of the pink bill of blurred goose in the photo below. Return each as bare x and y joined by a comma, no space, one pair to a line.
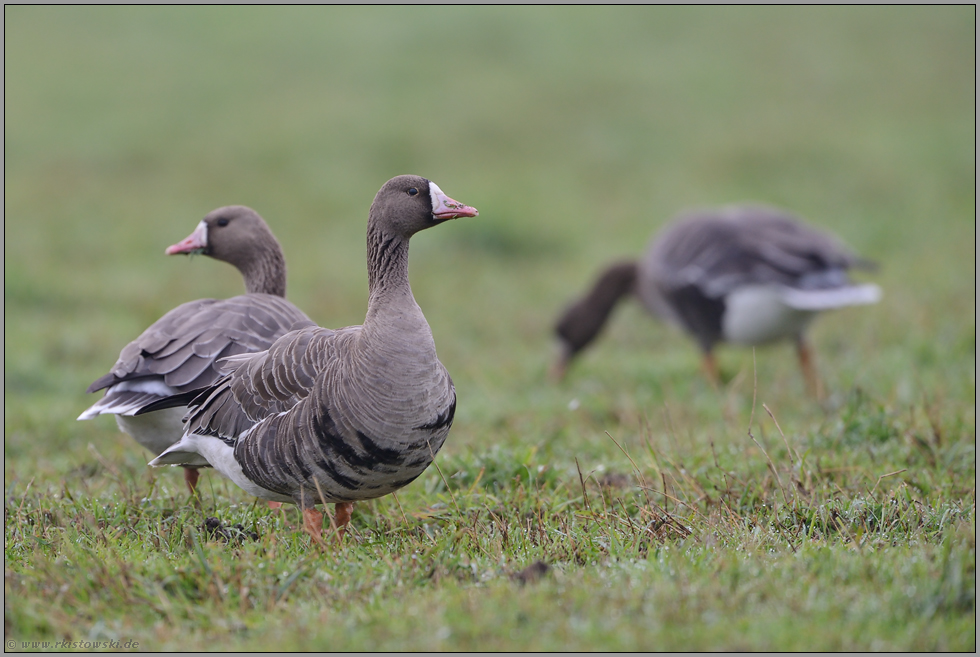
744,274
178,352
337,416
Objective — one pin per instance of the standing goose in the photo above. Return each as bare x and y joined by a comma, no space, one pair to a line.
178,352
744,274
337,416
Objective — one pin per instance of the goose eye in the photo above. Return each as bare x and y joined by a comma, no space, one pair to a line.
222,222
413,191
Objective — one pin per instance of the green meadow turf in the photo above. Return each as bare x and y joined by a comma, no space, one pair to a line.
631,506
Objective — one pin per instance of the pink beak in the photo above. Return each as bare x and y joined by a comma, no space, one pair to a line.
444,207
194,243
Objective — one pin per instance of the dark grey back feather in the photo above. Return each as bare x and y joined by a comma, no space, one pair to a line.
717,251
185,345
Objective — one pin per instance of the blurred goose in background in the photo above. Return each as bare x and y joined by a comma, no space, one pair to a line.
336,416
745,274
178,353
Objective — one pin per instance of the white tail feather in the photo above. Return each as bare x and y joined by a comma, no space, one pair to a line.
855,295
180,453
127,397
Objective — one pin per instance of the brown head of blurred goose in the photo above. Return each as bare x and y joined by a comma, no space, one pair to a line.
336,416
178,352
743,274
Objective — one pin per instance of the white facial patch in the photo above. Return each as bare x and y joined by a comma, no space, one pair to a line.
435,195
202,229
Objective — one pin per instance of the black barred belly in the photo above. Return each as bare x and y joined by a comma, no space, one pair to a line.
306,457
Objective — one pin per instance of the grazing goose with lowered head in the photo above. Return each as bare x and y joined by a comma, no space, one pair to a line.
337,416
744,274
179,351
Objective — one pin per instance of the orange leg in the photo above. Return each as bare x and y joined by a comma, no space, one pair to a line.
190,478
274,505
342,514
313,522
711,369
810,376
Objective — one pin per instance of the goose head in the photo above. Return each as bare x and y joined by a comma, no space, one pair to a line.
239,236
407,204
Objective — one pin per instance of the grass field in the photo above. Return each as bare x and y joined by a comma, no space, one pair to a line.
631,507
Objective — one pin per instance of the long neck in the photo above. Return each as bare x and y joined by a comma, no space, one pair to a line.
387,265
584,319
392,309
264,271
395,337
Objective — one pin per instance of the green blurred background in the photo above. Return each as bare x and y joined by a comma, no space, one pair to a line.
576,131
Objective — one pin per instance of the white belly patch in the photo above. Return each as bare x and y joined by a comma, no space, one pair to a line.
758,314
155,431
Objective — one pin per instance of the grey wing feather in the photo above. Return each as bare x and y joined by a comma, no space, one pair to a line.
746,244
262,385
184,345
